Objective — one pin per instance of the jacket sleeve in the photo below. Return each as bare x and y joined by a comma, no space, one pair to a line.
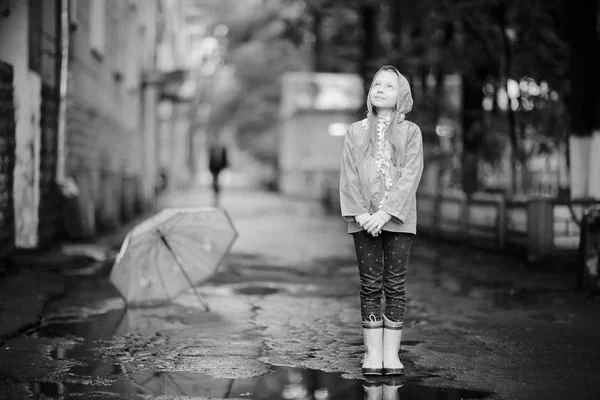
351,199
398,202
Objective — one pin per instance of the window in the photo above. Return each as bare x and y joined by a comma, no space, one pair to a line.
35,35
5,8
73,15
98,27
118,39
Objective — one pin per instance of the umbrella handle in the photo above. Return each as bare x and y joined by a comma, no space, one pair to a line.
163,238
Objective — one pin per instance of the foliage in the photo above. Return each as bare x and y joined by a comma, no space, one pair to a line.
494,145
265,42
259,54
484,41
489,42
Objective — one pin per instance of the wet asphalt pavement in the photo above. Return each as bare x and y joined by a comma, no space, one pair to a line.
284,324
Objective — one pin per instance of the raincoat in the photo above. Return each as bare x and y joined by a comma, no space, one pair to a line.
362,184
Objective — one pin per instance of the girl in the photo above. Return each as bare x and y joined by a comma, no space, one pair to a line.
381,169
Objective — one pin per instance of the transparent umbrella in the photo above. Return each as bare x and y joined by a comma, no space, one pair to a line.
180,383
176,249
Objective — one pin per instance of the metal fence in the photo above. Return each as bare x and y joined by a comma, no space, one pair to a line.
534,228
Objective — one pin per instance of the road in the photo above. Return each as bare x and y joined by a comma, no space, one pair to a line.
284,323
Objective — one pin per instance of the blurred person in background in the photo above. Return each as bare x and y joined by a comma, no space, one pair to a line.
217,162
381,169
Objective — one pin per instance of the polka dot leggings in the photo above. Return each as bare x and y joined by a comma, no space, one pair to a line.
382,263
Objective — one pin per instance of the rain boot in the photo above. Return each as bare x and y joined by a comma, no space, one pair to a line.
373,390
392,337
390,389
373,337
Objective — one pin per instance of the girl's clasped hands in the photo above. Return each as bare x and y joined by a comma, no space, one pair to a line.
373,223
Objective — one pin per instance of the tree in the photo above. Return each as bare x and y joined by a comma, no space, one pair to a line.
489,43
266,42
263,44
583,101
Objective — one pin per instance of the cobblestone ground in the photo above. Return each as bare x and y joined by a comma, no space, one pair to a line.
287,296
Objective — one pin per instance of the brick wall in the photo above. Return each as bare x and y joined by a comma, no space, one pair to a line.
7,159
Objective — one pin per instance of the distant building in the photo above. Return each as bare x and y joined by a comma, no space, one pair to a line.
316,109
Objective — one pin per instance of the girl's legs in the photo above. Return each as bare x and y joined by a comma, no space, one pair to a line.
396,249
369,254
370,266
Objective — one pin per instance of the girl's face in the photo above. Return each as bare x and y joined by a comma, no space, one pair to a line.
384,90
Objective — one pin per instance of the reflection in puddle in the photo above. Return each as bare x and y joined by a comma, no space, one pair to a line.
109,379
98,327
281,383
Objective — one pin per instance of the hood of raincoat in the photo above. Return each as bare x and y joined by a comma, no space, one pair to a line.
404,102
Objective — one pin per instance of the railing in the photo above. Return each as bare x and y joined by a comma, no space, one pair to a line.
516,227
535,228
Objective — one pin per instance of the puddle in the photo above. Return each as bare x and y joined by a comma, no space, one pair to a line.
97,327
269,288
411,342
280,383
108,378
257,290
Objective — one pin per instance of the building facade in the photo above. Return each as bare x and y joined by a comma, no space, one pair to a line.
316,110
96,141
